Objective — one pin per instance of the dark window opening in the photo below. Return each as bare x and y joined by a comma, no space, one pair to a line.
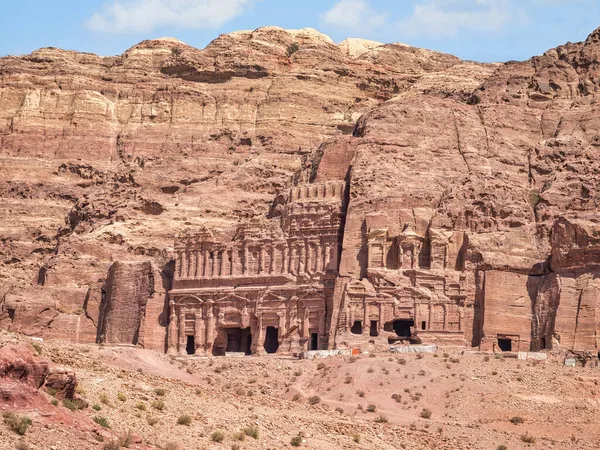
423,325
239,340
356,327
272,340
402,327
314,341
543,343
505,344
190,348
374,331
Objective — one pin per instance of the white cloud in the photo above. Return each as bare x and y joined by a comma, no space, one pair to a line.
353,15
447,18
131,16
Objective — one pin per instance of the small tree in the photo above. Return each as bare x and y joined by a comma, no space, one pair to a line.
292,48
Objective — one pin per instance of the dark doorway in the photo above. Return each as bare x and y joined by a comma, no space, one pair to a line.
543,343
314,341
423,325
249,344
505,344
190,348
238,340
402,327
374,329
272,340
356,327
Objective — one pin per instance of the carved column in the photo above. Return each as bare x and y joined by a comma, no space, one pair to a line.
321,329
194,270
173,331
244,259
179,263
182,336
284,262
210,326
281,327
199,332
293,265
205,269
381,318
272,259
260,336
430,325
221,264
301,266
366,323
305,324
309,258
325,256
445,310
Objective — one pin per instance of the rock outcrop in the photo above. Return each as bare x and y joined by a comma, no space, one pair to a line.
468,211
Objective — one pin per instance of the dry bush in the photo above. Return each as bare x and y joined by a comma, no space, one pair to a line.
184,419
16,423
313,400
217,436
381,419
251,431
426,414
528,438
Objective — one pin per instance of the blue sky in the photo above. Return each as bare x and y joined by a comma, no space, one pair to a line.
482,30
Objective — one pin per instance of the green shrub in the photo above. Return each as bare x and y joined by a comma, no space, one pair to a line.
184,419
73,405
217,436
54,402
160,392
239,436
18,424
426,414
102,421
96,407
313,400
251,431
37,347
292,48
528,438
296,441
141,406
158,404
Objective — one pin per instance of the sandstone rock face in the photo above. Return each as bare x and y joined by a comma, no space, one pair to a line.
22,373
465,212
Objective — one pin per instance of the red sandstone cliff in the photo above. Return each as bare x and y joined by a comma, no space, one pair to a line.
105,159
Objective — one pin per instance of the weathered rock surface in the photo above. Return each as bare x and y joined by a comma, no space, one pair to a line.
22,374
472,190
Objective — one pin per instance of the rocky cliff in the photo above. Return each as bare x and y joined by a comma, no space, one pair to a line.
106,158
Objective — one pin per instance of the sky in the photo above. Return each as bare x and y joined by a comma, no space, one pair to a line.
480,30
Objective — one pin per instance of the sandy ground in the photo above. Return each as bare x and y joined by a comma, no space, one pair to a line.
370,402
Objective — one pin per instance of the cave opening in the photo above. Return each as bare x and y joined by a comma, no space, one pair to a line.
505,344
190,347
239,340
356,327
272,340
